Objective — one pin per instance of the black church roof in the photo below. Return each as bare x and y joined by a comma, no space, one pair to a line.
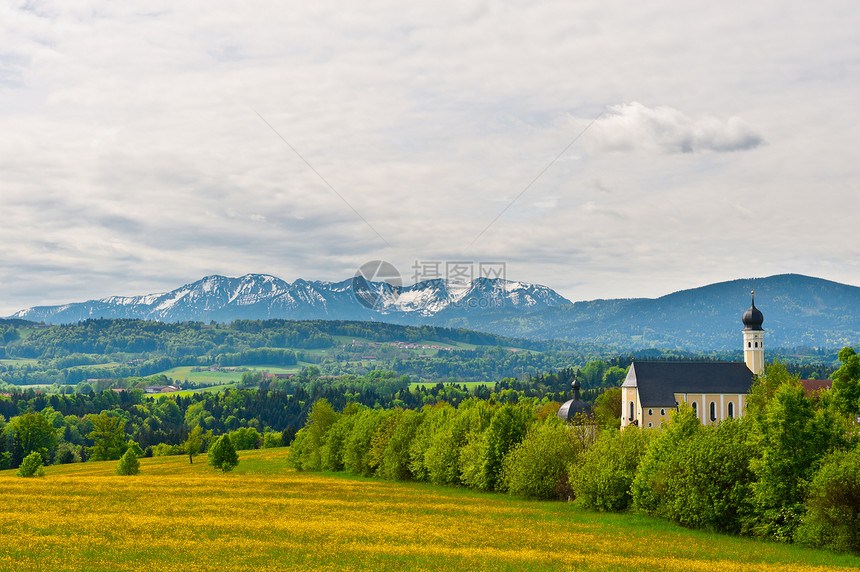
571,408
658,382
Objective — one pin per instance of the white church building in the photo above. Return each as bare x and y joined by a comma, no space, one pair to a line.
714,390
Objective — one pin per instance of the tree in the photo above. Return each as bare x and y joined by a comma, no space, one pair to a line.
607,408
306,447
222,455
537,467
708,478
649,490
194,443
602,477
108,435
846,382
245,438
128,464
791,437
31,466
66,453
506,430
614,376
29,433
833,504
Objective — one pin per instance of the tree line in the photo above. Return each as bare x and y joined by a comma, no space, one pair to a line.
788,470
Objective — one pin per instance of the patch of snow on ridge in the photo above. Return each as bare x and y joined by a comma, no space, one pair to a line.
170,302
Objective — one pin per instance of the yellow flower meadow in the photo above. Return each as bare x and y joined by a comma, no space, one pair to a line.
177,516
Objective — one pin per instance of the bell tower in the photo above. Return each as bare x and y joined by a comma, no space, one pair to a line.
753,338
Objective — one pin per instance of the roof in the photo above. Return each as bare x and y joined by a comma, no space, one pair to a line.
814,387
658,382
571,408
753,317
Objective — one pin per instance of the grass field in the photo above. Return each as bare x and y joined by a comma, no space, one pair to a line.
176,516
466,384
221,377
18,362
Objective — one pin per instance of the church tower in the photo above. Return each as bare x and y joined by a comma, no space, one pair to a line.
753,338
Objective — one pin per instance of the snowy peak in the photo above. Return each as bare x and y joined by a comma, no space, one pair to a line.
261,296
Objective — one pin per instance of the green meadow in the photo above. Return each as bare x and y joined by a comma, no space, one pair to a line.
180,516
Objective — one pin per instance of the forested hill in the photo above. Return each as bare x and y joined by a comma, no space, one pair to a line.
198,339
798,311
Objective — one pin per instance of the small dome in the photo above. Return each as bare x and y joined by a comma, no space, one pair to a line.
753,317
571,408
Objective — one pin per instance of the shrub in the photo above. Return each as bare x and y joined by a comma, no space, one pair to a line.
602,478
166,450
648,489
709,478
31,466
537,467
128,464
833,505
271,440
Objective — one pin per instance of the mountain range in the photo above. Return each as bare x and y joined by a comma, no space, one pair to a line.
799,310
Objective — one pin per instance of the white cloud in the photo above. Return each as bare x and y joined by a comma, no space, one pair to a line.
633,126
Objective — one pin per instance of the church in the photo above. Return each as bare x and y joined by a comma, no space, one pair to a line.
714,390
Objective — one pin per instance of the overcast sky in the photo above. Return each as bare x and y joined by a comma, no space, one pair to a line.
144,145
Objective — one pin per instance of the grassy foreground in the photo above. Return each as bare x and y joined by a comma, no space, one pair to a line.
176,516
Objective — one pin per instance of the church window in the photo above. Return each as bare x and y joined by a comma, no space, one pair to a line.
631,411
731,410
696,408
756,344
650,412
662,412
650,424
749,344
713,411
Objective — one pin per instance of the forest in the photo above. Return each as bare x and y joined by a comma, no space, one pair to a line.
62,359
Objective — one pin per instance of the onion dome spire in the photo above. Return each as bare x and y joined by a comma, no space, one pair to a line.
753,317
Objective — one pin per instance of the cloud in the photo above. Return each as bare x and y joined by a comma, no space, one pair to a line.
133,161
633,126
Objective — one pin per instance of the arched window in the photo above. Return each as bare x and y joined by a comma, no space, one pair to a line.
650,412
662,412
756,344
713,411
696,409
731,410
631,411
749,344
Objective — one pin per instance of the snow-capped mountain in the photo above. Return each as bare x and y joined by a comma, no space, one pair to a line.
260,296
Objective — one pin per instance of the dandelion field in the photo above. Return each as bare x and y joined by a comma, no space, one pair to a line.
177,516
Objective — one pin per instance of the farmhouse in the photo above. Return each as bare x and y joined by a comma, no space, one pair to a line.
714,390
